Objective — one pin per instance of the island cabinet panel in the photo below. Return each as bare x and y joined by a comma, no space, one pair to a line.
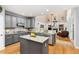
31,47
45,47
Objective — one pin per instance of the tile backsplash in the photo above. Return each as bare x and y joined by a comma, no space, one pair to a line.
12,31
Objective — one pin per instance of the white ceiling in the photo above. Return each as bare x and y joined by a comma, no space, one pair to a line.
35,10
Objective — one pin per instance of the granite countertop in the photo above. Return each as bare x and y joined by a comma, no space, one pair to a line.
16,33
10,34
39,39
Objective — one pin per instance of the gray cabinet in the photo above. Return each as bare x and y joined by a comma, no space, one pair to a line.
11,20
20,20
14,21
8,40
30,23
8,22
15,38
27,23
31,47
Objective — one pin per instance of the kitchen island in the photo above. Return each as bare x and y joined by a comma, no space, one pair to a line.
33,45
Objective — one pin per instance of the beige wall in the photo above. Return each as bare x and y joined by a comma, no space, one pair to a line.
58,15
43,19
40,20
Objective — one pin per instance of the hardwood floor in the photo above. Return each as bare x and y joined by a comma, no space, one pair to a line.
11,49
60,49
56,49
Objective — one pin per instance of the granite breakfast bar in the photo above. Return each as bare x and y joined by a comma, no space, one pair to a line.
33,45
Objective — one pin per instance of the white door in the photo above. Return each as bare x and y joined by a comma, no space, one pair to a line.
76,27
2,35
70,24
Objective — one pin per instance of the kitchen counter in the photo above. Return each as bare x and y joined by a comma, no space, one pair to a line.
51,35
40,39
17,33
10,34
33,45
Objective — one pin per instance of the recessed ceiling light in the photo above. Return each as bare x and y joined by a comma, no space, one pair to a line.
47,10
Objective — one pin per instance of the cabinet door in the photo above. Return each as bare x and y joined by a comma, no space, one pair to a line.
14,21
8,40
18,20
22,20
7,21
28,23
25,22
32,22
15,38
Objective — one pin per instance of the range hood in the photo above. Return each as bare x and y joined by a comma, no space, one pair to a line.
20,24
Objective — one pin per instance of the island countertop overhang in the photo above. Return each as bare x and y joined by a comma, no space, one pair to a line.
39,39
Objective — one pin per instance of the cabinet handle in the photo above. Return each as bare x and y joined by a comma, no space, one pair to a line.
45,44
